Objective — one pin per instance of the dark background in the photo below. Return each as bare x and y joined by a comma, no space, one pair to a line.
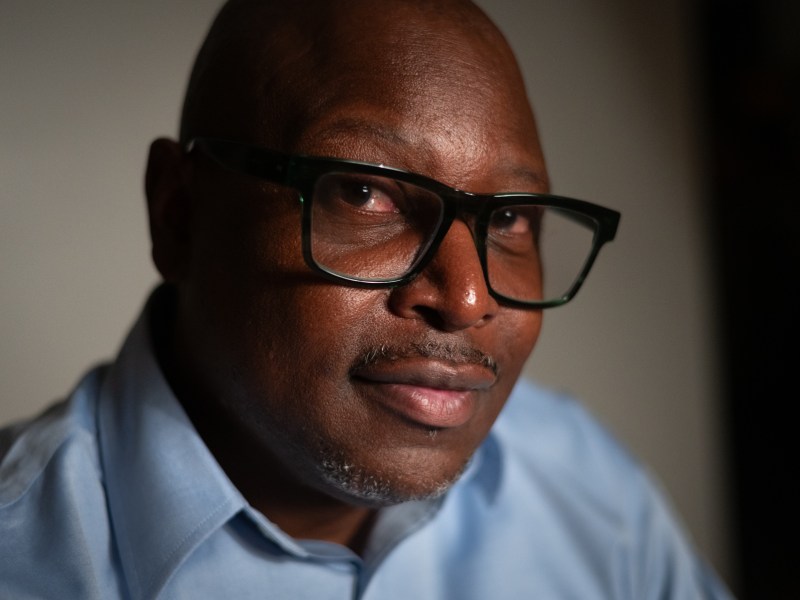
752,78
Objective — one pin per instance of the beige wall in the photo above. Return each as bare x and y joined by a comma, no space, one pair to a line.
86,85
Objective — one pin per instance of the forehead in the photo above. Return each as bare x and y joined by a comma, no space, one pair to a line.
429,96
430,87
465,156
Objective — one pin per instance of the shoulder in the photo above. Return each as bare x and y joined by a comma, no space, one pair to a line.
554,449
52,498
560,463
28,448
597,506
554,432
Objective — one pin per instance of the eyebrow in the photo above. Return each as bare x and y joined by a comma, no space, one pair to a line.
524,173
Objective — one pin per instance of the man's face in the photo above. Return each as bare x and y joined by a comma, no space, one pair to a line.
372,396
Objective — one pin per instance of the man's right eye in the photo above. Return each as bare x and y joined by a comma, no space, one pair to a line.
366,196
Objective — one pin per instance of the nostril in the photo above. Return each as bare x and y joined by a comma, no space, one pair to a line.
431,317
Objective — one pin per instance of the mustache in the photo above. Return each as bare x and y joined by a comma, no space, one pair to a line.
451,353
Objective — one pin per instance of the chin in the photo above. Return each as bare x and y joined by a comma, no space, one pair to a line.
357,485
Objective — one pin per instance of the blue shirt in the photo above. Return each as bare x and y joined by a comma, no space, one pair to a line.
113,494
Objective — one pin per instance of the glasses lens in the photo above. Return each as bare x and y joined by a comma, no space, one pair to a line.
537,253
369,227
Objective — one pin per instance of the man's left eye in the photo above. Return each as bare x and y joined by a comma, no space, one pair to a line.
511,221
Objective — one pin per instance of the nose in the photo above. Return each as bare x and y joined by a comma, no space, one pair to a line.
451,292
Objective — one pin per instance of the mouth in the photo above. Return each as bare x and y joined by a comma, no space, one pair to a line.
432,393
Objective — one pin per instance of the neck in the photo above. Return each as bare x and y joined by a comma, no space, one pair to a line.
301,511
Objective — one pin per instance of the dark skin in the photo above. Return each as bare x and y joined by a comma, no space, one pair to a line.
262,352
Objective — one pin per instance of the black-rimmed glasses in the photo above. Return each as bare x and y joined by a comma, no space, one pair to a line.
374,226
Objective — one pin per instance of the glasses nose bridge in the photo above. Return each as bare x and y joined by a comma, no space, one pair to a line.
467,208
471,210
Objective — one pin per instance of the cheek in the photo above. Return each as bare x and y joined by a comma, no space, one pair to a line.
296,373
237,290
518,334
306,337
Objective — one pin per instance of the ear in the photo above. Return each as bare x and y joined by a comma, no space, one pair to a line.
169,208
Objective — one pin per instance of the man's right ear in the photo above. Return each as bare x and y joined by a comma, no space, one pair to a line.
169,208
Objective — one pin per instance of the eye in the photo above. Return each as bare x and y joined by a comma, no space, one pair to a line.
513,221
367,196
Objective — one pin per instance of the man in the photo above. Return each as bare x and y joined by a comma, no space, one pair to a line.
304,409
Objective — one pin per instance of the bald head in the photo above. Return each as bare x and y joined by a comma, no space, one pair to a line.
268,68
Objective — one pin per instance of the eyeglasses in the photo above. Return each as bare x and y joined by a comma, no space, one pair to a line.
373,226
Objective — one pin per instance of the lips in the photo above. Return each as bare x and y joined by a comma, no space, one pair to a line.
428,392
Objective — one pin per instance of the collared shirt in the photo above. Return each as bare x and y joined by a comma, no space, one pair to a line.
113,494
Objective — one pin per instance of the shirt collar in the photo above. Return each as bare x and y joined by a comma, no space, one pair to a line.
166,492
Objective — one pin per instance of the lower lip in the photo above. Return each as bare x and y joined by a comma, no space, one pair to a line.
426,406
